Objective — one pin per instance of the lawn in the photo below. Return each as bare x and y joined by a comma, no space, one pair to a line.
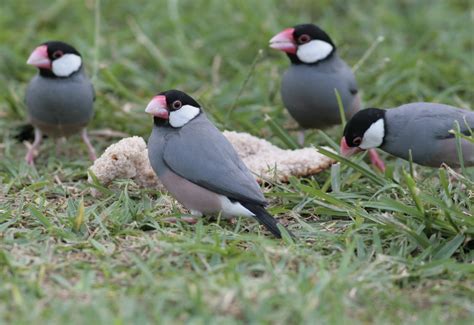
372,248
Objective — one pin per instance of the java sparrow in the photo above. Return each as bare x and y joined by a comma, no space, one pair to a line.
60,97
316,71
198,165
422,128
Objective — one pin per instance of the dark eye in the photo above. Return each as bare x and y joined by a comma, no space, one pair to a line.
57,54
176,104
357,141
304,38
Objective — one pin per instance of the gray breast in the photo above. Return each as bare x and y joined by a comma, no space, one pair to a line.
156,147
308,92
60,106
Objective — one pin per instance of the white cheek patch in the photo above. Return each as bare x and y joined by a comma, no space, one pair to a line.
374,135
183,115
313,51
66,65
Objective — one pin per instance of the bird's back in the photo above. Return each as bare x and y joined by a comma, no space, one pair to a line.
424,128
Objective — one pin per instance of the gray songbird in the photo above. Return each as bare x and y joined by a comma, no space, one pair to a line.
197,164
60,97
422,128
309,85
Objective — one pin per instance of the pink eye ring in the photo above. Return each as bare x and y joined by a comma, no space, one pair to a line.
176,104
357,141
57,54
304,38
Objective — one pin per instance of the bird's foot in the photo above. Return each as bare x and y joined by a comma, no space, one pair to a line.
92,154
30,156
90,148
32,149
376,160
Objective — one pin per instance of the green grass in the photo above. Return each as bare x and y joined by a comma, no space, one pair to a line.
393,248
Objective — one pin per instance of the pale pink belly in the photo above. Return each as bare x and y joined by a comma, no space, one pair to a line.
192,196
57,130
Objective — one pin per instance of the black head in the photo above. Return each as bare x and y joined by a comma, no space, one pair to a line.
173,108
56,49
307,32
175,99
357,127
294,41
56,59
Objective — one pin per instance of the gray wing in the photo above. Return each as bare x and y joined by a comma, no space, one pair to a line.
354,105
201,154
338,67
466,123
348,75
438,118
93,91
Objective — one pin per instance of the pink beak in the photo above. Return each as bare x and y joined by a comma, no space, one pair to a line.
347,151
39,58
157,107
284,41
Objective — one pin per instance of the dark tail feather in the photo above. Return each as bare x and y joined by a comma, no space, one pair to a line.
24,132
266,219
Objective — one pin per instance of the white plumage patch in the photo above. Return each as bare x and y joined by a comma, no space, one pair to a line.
183,115
66,65
374,135
313,51
233,209
195,213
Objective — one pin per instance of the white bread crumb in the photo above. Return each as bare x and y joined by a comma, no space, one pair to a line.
269,161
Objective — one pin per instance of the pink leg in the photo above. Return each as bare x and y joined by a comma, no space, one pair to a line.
376,160
90,148
30,155
300,138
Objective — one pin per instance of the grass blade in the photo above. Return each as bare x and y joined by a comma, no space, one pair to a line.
40,216
367,173
281,133
414,191
79,220
449,248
